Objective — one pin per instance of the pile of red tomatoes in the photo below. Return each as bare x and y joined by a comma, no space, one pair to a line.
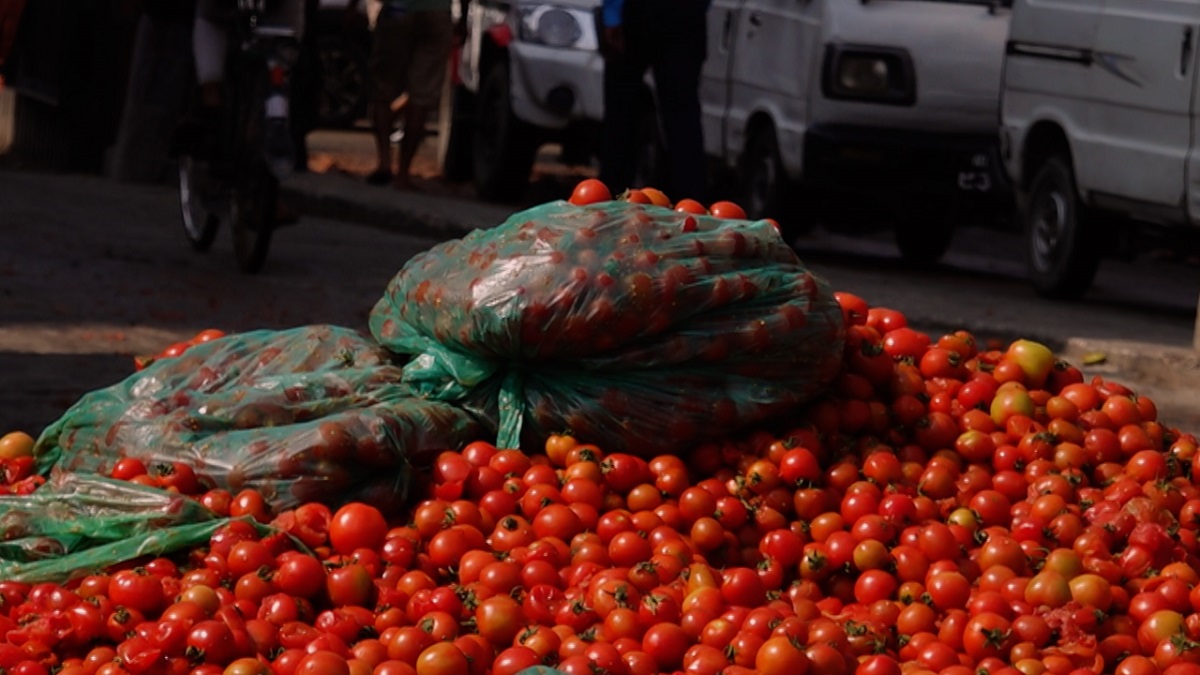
948,507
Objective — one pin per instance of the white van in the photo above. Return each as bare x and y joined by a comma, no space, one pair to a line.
886,102
1099,130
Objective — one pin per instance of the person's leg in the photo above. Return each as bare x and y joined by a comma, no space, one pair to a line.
208,49
623,85
618,154
426,74
415,117
383,121
677,67
389,42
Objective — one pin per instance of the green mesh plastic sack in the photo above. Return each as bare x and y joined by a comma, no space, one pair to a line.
78,523
317,413
634,326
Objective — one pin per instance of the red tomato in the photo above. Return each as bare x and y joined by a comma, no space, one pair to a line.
727,209
590,191
357,525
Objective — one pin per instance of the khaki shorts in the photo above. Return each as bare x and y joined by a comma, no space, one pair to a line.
410,53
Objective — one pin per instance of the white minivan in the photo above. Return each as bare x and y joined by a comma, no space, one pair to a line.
1099,131
849,103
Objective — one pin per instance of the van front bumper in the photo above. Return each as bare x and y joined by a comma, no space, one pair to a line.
893,161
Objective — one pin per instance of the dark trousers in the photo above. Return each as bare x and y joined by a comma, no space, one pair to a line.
668,38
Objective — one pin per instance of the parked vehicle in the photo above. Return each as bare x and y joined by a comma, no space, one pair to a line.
1099,122
531,73
878,110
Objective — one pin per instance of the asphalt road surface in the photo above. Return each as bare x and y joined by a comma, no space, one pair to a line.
94,272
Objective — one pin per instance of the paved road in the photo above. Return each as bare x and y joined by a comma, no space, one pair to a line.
93,272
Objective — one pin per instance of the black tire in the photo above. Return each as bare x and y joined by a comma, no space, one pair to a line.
761,180
252,217
763,187
200,223
341,82
1062,256
504,146
924,234
255,190
457,165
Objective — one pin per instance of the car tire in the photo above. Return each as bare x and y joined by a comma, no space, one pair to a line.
762,176
342,82
924,233
457,164
504,146
1062,256
763,187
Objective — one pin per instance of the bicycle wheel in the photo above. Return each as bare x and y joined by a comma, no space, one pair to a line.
254,188
200,223
253,216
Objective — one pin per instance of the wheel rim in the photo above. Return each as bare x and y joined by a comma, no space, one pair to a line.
189,198
1049,225
197,203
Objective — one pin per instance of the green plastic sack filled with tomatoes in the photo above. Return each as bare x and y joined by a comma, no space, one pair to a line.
635,326
77,523
316,413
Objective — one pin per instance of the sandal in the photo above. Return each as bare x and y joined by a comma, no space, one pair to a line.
379,177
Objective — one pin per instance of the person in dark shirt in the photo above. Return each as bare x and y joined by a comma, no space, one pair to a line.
668,38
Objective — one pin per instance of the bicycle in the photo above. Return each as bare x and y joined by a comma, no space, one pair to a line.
238,180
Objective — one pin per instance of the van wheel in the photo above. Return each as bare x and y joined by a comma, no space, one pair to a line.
763,187
924,233
504,145
1062,259
762,176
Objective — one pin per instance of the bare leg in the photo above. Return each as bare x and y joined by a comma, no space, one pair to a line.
384,119
414,133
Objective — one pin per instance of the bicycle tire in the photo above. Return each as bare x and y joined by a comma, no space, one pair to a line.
199,223
255,188
253,217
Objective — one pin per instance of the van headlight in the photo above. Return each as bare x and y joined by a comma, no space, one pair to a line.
563,27
875,74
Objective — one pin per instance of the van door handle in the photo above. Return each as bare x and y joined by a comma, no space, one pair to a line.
755,19
1185,56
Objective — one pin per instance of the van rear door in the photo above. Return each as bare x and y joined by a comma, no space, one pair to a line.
1145,62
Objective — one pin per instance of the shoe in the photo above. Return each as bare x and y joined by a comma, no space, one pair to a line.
379,177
